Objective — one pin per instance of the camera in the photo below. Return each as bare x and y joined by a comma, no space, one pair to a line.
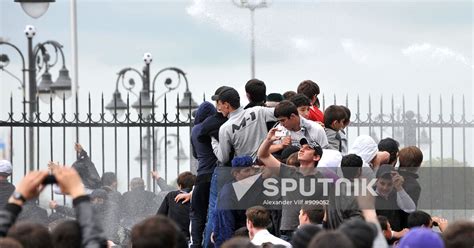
50,179
281,134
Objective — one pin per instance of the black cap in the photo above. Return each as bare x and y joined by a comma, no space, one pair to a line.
385,171
314,145
215,97
229,95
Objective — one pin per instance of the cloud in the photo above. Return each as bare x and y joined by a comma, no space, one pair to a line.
303,45
427,51
357,52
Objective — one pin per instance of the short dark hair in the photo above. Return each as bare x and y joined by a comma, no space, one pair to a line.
108,178
30,235
333,113
348,114
156,231
238,242
410,157
256,90
303,235
351,165
300,100
391,146
67,235
288,95
361,233
284,109
329,239
418,218
241,232
315,213
459,234
383,222
308,88
186,180
259,216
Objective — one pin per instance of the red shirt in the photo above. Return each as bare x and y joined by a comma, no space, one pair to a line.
315,114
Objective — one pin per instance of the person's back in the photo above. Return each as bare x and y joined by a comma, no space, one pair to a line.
177,211
138,203
344,206
109,184
244,130
6,188
34,213
203,150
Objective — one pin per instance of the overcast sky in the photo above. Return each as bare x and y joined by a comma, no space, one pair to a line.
347,47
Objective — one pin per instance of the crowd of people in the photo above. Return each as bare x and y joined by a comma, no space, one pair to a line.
242,194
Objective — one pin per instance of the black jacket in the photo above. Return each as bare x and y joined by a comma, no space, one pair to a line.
137,205
177,211
6,190
413,189
210,127
87,171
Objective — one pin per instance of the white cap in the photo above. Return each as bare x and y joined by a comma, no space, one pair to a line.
5,167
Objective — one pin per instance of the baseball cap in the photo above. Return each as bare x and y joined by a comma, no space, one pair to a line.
215,97
5,167
421,237
385,171
314,145
242,161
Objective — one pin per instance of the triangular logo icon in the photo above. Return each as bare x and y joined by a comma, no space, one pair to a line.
241,187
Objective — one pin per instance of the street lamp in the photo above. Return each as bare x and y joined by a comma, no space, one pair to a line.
144,105
39,58
35,8
252,5
172,140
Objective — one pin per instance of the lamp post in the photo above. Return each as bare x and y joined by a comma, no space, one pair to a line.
252,5
157,143
39,58
144,106
35,8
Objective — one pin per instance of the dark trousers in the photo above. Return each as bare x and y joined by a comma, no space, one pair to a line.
199,205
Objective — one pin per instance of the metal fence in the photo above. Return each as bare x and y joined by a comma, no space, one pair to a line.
162,140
